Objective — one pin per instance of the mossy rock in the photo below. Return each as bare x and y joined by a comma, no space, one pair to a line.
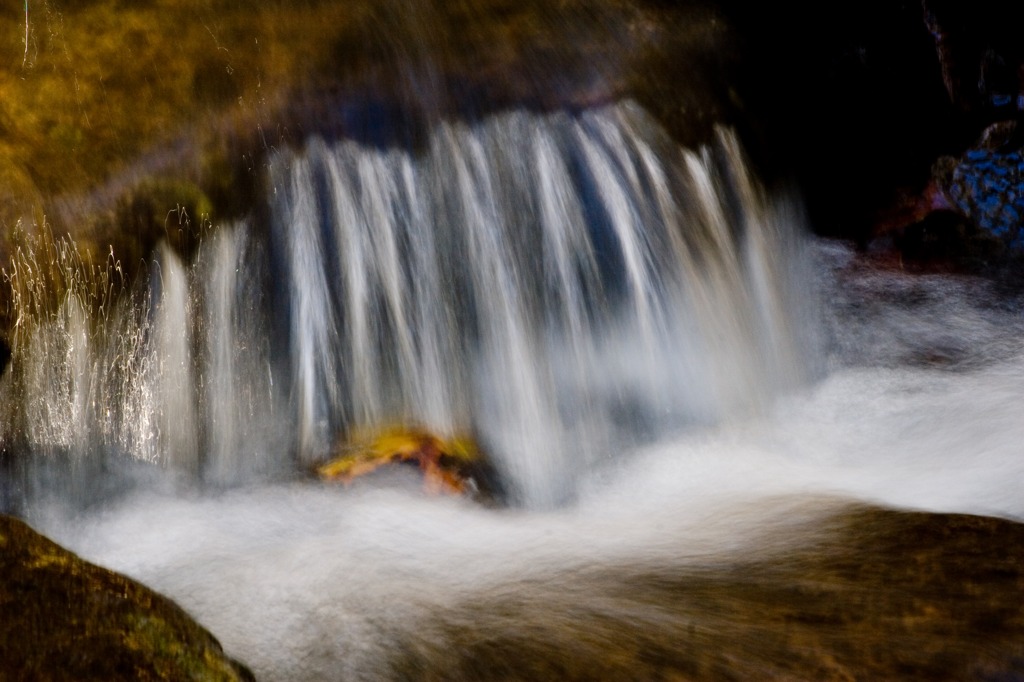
172,210
20,200
66,619
166,204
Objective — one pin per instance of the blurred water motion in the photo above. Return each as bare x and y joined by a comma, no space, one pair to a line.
703,417
711,531
562,286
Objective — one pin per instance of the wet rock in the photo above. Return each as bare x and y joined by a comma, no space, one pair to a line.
66,619
987,186
865,594
971,212
396,71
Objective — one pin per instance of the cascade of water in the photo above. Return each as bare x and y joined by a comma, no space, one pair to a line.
173,370
560,286
242,429
549,283
177,374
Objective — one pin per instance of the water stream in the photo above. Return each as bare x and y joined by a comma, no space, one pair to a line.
663,365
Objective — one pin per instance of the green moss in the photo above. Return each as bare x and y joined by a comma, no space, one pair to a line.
161,209
165,207
66,619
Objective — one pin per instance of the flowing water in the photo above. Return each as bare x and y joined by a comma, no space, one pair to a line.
663,366
562,287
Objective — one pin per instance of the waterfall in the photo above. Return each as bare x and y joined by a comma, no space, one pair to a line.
244,433
560,286
173,369
556,285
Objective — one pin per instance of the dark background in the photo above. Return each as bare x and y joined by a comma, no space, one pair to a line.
850,98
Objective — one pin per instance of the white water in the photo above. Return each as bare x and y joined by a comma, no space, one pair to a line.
306,583
746,402
533,280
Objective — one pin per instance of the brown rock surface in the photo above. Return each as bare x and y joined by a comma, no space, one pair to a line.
868,594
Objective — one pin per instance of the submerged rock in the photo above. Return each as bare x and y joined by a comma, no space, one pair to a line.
66,619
